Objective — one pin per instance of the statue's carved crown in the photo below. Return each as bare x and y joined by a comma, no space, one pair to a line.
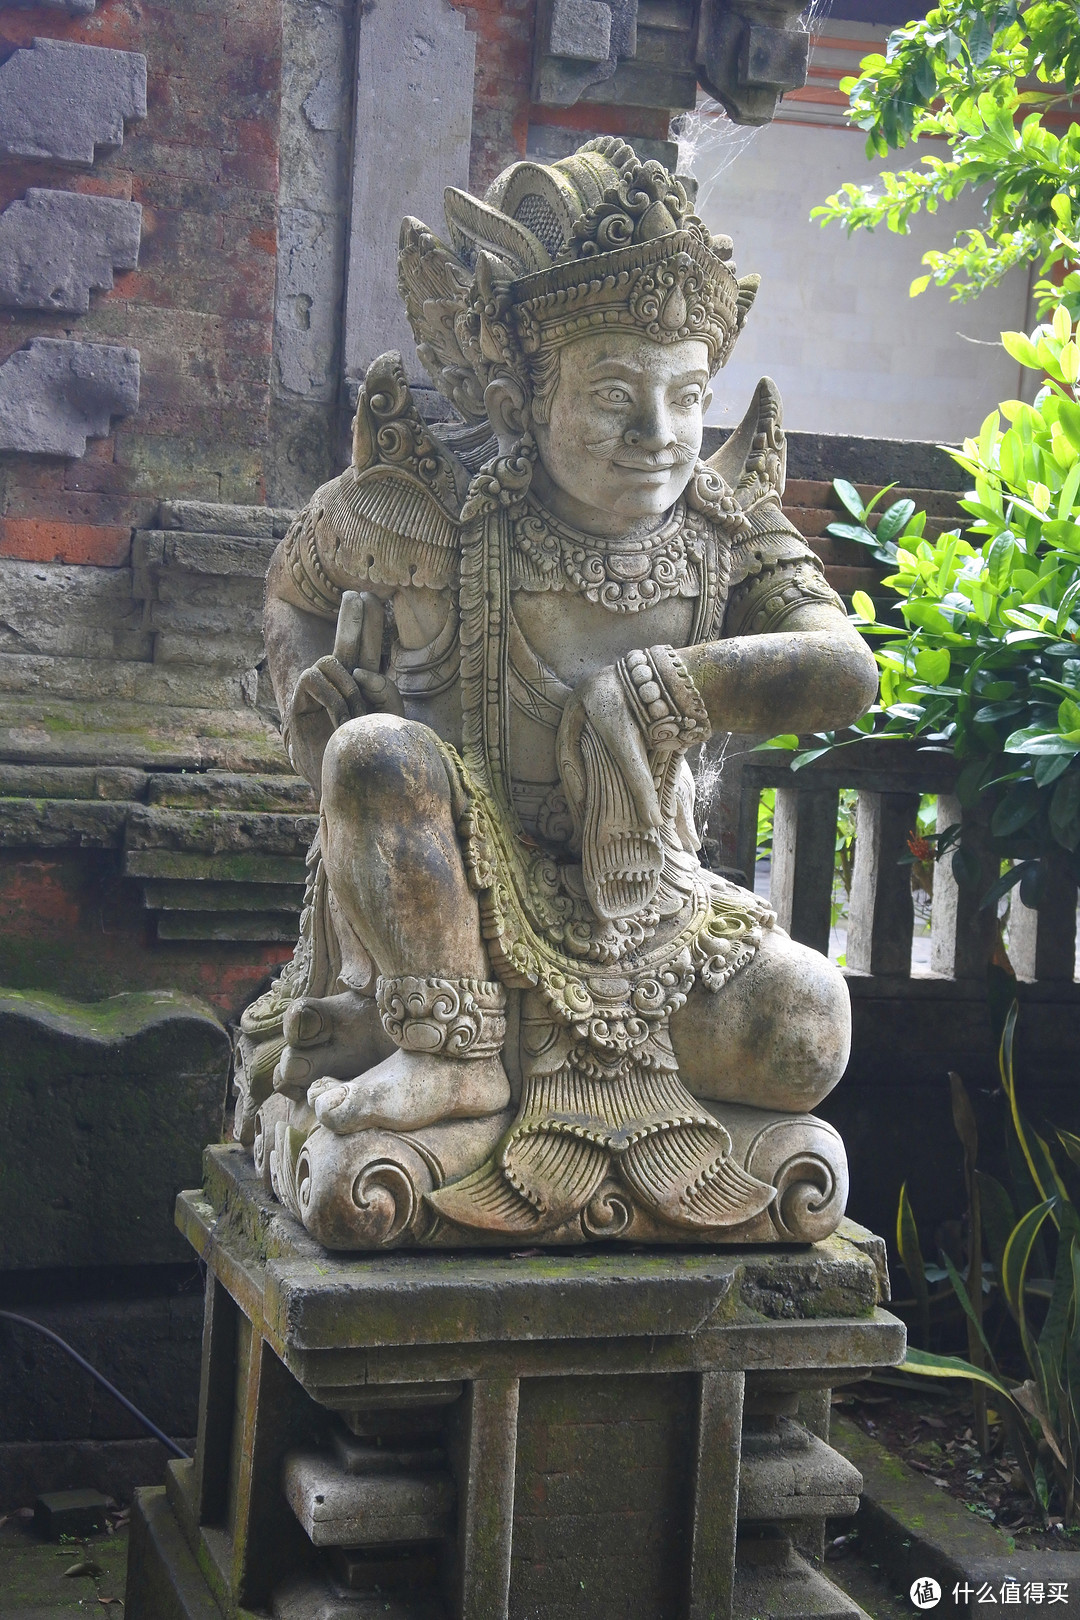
553,252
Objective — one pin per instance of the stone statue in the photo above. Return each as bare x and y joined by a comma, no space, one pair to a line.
520,1009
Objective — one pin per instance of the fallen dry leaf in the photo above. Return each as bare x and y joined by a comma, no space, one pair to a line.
85,1566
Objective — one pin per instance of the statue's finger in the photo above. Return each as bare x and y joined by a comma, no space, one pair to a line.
380,692
369,647
321,693
343,683
350,629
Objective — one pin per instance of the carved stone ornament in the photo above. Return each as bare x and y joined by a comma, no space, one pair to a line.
519,1006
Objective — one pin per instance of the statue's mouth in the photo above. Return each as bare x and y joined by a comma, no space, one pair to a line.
650,466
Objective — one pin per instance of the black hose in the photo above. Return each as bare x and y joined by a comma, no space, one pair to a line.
129,1406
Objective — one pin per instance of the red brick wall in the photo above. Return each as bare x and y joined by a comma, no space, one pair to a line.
200,306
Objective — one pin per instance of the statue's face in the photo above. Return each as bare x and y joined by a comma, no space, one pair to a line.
624,426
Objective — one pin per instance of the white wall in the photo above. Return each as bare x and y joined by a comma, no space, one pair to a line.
833,323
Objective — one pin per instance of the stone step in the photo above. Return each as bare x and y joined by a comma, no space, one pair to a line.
220,832
340,1509
212,517
230,790
266,927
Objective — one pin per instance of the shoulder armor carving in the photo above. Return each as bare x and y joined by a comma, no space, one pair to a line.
393,517
753,461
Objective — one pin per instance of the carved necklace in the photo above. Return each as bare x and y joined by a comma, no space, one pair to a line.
623,576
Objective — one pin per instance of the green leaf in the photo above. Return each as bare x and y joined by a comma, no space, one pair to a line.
1068,414
864,607
1019,806
894,520
998,1216
852,531
980,39
933,1366
1055,1323
849,497
960,1290
992,712
1068,715
971,782
965,868
1037,740
1043,1186
1021,348
1065,811
788,740
1048,767
932,665
1033,884
907,1244
1004,883
999,560
1014,1269
926,615
809,755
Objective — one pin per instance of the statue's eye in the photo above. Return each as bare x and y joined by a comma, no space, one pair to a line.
689,397
612,394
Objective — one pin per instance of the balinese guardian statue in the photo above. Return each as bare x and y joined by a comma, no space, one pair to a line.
520,1009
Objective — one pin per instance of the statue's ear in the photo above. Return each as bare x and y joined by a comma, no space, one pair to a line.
507,407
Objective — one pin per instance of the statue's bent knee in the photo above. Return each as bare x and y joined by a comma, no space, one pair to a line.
378,758
777,1037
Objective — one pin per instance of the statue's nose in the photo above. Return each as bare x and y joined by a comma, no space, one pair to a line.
651,430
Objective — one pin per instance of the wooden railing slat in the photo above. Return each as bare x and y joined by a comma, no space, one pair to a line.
881,911
1042,942
803,861
963,932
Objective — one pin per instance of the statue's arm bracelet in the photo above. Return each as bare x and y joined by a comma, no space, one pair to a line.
664,700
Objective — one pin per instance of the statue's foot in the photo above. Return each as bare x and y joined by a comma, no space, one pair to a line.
412,1089
330,1035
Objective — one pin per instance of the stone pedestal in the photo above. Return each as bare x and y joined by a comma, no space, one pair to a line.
587,1435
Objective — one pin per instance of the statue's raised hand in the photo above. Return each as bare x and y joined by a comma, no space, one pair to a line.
611,792
341,686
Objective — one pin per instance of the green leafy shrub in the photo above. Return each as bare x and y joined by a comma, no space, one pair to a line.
1042,1411
978,77
983,658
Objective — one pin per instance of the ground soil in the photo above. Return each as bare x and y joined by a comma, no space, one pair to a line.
932,1432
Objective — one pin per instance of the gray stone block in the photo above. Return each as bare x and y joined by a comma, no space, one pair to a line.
131,1088
142,1333
74,8
581,30
64,610
55,394
415,69
774,57
70,1514
57,245
59,100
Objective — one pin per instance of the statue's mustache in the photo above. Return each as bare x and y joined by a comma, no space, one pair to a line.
623,455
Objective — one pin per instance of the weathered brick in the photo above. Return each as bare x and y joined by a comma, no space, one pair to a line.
45,540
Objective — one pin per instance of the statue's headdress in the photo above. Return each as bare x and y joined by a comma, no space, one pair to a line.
553,252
